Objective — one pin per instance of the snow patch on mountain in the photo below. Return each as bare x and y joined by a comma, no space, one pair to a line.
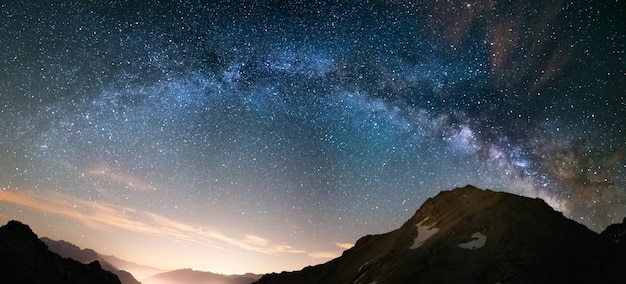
357,281
365,265
478,241
423,234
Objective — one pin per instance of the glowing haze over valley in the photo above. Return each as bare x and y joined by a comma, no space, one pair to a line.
262,136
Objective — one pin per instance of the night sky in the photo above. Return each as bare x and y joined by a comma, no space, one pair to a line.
260,136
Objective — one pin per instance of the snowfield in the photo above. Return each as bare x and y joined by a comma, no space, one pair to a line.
478,241
423,234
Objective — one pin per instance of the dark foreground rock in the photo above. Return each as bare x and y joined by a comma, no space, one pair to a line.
26,259
69,250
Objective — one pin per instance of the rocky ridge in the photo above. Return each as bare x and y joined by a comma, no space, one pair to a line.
26,259
469,235
69,250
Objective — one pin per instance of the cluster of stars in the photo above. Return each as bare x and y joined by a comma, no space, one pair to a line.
309,123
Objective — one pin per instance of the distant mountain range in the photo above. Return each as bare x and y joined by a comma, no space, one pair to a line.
26,259
139,271
147,274
69,250
469,235
189,276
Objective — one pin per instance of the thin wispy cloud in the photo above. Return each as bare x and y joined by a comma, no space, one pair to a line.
324,254
344,246
105,216
331,254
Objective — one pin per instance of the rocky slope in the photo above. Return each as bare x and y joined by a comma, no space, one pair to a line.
469,235
26,259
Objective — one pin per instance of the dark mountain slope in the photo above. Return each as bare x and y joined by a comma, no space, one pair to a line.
26,259
69,250
469,235
616,233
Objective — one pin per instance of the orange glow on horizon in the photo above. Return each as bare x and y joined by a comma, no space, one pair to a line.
141,235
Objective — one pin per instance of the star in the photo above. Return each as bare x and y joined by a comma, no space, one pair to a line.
258,137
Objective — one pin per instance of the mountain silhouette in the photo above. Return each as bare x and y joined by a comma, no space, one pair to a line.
469,235
616,233
189,276
26,259
139,271
69,250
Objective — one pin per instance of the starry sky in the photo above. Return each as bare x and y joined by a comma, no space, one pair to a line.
260,136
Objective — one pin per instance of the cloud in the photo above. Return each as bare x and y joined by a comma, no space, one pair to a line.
255,240
324,254
331,254
106,216
344,246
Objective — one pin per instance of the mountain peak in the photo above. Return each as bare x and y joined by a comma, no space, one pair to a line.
14,225
469,234
26,259
16,228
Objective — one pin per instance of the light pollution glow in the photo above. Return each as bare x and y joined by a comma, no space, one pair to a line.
169,240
